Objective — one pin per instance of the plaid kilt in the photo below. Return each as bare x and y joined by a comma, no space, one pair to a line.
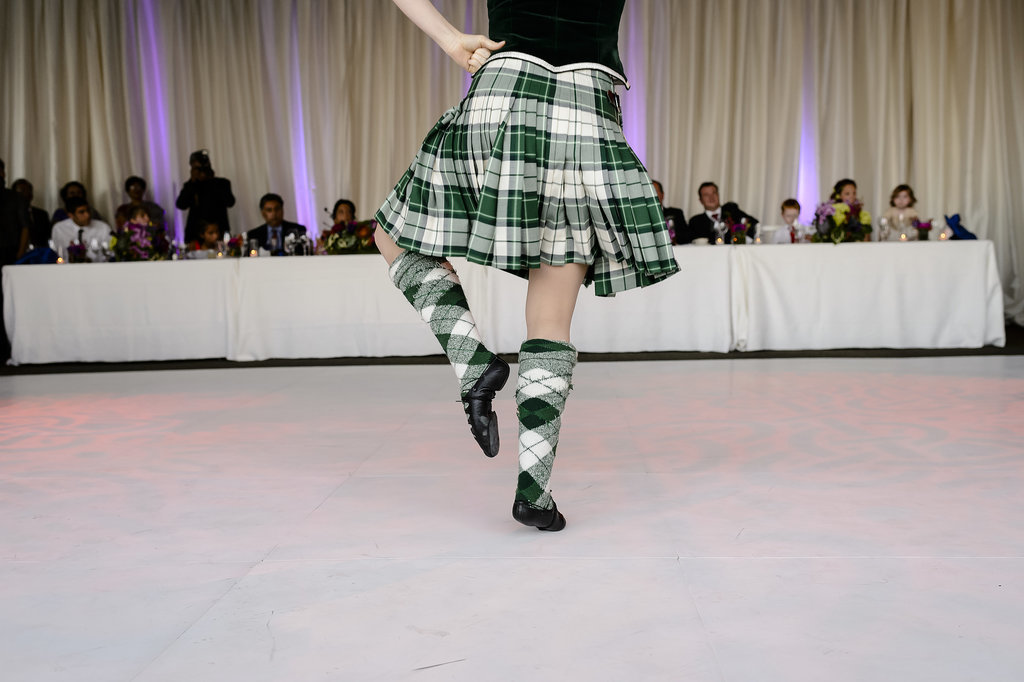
531,167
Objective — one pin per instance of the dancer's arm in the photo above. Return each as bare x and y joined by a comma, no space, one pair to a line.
468,51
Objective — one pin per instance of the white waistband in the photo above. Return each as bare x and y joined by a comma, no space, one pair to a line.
575,66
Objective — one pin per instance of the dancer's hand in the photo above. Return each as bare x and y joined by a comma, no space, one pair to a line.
471,51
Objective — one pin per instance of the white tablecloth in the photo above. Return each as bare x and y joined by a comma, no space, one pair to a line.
689,310
347,306
867,295
900,295
120,312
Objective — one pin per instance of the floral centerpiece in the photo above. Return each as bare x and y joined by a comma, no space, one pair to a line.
737,223
923,228
235,246
346,238
138,241
77,253
738,230
841,222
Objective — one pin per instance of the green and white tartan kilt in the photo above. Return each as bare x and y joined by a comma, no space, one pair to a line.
531,167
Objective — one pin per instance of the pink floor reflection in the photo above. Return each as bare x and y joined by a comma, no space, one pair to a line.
794,519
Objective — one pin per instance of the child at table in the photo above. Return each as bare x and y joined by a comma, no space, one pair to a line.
791,231
900,216
209,237
139,216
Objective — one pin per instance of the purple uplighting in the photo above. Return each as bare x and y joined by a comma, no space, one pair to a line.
807,169
158,139
305,202
467,77
634,114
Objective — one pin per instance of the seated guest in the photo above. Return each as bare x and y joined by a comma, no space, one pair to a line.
138,215
791,231
68,191
135,188
703,224
900,216
211,238
675,221
344,212
40,228
81,228
845,192
272,233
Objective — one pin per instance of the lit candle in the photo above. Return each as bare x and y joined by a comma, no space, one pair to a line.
903,237
220,254
942,235
60,260
253,253
718,241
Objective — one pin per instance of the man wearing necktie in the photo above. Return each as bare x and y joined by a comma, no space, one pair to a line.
272,234
81,227
703,224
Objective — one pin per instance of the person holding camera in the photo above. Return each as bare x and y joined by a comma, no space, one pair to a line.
205,196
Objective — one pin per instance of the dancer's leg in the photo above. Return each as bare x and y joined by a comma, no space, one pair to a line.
386,245
551,300
546,362
432,287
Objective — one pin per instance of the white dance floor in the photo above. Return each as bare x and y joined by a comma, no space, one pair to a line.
729,520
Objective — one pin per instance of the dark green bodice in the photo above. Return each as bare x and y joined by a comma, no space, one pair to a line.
559,31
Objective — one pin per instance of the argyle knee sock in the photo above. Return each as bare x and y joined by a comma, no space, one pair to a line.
545,377
436,293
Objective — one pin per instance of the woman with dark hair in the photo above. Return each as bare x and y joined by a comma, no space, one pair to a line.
204,196
842,217
530,174
844,190
344,212
135,188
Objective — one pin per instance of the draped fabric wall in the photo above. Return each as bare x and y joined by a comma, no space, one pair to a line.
721,98
319,99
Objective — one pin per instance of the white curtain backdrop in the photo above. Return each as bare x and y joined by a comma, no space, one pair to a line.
322,99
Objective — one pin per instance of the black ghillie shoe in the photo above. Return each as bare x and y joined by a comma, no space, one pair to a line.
541,519
477,403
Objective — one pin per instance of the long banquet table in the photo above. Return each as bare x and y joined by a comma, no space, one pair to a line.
927,294
806,296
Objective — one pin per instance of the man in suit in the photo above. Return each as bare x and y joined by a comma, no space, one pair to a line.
703,224
675,220
39,230
272,234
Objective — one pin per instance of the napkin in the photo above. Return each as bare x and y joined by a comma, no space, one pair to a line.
959,231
